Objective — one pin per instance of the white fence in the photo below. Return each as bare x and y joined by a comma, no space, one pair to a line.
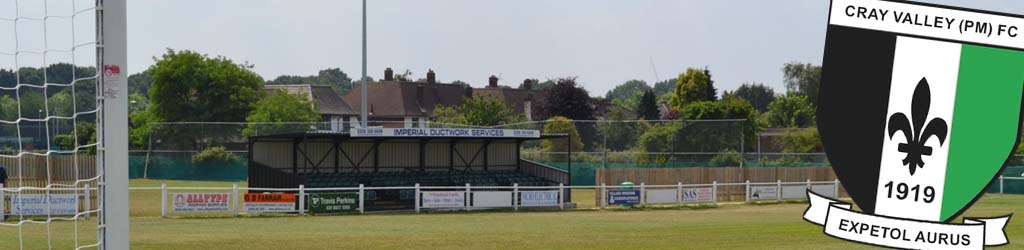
433,198
468,197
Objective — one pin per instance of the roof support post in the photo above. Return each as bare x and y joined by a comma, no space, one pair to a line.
423,155
337,147
451,155
487,145
295,156
376,155
519,163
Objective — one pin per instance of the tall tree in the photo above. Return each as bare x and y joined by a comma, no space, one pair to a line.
617,135
139,83
803,79
571,101
664,87
791,110
648,106
628,94
481,110
281,107
557,147
694,85
757,94
192,87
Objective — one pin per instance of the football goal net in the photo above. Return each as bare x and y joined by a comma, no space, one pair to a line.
63,125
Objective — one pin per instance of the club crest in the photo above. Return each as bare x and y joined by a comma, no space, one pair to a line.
916,121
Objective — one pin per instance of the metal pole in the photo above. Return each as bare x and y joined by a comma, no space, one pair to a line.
302,199
362,99
417,197
85,195
362,198
515,196
234,200
112,130
163,200
604,198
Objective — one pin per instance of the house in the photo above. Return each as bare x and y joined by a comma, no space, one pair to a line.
519,100
332,108
393,103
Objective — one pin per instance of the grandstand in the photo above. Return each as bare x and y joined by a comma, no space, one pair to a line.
386,157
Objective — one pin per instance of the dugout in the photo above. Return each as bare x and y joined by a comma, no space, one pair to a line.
400,157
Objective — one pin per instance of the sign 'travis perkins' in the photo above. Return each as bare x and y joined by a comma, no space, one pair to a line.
919,109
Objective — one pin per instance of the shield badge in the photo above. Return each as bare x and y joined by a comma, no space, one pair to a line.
919,107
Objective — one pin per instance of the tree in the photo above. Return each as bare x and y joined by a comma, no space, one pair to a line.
791,110
801,140
658,139
192,87
556,148
664,87
757,94
281,107
188,86
340,82
617,135
694,85
648,106
137,103
568,100
803,79
139,83
629,93
481,110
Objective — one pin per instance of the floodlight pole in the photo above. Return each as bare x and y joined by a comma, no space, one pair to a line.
362,99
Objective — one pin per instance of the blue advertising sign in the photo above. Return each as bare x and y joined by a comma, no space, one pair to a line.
616,197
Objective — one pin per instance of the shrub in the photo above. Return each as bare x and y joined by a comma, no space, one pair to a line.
728,158
215,154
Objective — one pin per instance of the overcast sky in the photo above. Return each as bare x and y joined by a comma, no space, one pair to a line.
603,42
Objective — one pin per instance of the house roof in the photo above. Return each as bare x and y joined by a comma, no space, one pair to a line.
400,99
512,97
330,103
327,101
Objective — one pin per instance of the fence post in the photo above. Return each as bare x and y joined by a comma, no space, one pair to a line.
87,206
302,199
604,197
467,196
362,197
808,183
778,190
714,192
746,192
679,193
561,195
3,200
163,200
835,188
234,199
515,196
643,194
1000,184
417,197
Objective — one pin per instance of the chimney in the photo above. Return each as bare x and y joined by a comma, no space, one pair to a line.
389,75
430,77
527,84
493,83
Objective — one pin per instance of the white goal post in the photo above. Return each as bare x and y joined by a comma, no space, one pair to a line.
64,124
112,125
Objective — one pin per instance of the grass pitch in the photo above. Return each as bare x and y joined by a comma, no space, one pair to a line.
738,226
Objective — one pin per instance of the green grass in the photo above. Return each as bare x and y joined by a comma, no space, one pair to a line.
736,226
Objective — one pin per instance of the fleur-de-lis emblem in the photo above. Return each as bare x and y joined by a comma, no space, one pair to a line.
916,136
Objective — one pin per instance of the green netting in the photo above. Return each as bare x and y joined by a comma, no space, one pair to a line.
180,167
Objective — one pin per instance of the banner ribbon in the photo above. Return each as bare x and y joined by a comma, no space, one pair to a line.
840,221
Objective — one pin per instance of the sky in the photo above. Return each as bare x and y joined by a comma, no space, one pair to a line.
601,42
